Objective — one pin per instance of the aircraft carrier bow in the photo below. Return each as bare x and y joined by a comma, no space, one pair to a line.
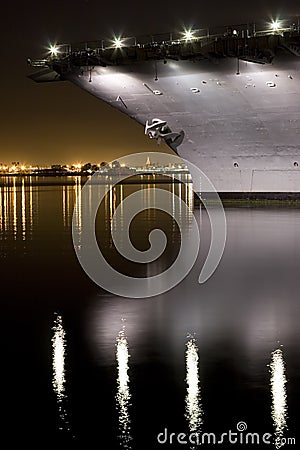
227,100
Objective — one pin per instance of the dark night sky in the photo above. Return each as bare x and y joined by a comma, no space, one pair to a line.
59,122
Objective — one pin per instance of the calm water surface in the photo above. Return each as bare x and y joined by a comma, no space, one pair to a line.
82,368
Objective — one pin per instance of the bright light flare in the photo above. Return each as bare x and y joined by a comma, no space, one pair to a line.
118,42
13,168
275,25
188,35
54,50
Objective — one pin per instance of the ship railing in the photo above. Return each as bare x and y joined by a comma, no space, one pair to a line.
244,30
174,43
38,62
280,32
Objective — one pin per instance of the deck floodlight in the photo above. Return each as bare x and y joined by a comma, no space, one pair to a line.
188,35
275,25
118,43
53,49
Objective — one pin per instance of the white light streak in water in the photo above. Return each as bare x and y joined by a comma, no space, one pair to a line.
23,209
123,393
15,217
193,396
111,211
58,366
278,392
2,211
6,209
78,203
64,202
30,205
77,214
58,361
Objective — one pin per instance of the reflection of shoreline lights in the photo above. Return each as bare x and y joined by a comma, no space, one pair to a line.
58,362
77,211
193,399
23,210
18,208
123,394
15,217
279,398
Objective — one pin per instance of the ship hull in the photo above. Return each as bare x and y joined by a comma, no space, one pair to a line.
240,121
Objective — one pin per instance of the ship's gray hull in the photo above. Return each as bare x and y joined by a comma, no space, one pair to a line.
243,132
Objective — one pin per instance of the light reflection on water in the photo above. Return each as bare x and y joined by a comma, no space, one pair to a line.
18,200
14,200
239,313
59,372
23,208
193,394
278,393
123,393
58,362
77,204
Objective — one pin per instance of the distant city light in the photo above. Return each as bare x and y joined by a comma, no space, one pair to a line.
188,35
118,42
15,168
53,50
